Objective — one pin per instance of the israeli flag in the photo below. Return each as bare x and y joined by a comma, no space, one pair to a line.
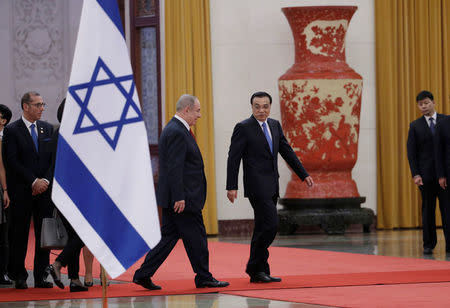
103,182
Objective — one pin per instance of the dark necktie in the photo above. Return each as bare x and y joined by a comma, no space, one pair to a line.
34,136
433,129
266,133
192,134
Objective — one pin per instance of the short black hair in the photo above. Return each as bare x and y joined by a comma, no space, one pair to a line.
260,94
423,95
5,113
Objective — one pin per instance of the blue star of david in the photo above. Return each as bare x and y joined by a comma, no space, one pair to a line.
90,86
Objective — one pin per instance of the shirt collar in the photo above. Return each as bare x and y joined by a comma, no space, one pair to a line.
434,116
28,123
183,121
261,123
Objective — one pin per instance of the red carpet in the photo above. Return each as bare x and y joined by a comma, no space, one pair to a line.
299,268
398,295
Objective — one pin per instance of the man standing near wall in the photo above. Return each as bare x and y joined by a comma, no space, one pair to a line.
421,156
257,141
27,156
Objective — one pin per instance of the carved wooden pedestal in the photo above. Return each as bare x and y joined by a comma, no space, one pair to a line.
333,215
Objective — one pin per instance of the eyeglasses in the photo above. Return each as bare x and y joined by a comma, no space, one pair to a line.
38,105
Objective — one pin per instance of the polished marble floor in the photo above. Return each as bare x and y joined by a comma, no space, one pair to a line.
402,243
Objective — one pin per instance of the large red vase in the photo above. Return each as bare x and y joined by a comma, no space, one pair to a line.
320,99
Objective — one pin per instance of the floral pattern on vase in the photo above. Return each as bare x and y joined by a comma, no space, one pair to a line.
320,100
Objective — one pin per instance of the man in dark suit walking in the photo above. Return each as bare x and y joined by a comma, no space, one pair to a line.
27,157
257,141
181,193
421,157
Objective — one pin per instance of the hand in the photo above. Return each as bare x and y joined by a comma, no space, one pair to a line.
309,181
39,186
178,207
443,182
5,199
418,180
232,195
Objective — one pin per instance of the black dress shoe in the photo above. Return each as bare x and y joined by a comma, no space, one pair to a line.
42,284
77,288
213,283
260,277
4,280
56,275
427,251
147,283
20,284
274,279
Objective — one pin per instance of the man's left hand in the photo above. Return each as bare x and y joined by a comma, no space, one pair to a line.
309,181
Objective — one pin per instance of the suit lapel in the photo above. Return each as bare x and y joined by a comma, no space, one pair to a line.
426,127
41,131
27,136
188,135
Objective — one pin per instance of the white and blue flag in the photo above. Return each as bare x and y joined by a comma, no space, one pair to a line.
103,182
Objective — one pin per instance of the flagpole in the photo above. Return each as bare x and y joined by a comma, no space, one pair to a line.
104,287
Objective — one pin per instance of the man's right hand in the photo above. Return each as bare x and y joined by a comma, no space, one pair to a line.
178,207
443,183
232,195
39,186
418,180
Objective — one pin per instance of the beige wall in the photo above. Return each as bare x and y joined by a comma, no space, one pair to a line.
252,46
38,40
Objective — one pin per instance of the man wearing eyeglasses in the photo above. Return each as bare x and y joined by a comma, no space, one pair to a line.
27,158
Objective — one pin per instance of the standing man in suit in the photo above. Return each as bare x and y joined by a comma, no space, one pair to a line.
27,157
442,151
421,157
181,193
257,141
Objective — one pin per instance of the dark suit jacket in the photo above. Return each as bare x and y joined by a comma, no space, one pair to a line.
420,147
260,165
181,169
443,148
23,163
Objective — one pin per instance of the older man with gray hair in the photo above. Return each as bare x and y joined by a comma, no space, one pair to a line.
181,193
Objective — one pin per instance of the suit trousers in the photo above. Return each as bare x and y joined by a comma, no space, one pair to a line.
190,228
21,213
264,232
70,255
430,191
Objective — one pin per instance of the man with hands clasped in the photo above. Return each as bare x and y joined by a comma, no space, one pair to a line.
27,155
